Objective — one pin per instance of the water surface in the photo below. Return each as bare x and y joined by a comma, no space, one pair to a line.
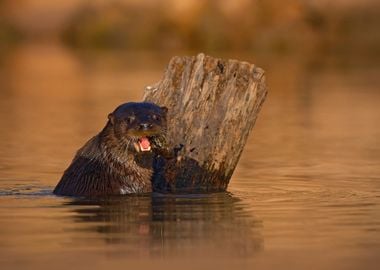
306,192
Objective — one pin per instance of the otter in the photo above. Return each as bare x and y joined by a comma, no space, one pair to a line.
119,160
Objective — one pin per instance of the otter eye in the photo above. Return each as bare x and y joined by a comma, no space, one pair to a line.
130,119
156,117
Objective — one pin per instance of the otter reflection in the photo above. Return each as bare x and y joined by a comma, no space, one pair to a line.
173,225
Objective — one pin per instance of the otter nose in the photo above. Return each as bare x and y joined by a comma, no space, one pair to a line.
145,126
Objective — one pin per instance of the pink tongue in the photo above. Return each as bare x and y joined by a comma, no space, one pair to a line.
144,143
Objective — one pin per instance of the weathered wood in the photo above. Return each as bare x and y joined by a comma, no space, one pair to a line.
213,105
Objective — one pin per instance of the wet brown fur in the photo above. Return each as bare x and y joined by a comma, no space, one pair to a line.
109,164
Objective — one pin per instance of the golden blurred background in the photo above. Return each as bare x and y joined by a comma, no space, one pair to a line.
344,26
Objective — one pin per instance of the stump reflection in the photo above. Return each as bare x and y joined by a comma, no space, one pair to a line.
173,225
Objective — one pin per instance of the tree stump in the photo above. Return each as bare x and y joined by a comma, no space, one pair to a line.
213,105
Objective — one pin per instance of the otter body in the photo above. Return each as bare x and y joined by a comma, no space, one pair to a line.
119,159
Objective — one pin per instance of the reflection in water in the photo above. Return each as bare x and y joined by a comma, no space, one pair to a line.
172,225
310,172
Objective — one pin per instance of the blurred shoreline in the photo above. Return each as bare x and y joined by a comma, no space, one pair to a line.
346,28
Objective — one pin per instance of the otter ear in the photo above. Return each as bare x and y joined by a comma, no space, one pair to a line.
111,118
164,109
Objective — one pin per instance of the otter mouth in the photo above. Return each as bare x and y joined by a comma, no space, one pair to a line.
143,145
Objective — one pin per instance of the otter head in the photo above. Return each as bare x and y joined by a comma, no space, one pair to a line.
138,124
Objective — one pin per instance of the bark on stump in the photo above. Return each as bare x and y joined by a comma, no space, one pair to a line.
213,105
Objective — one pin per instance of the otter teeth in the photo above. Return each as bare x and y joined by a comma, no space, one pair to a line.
144,144
137,147
145,149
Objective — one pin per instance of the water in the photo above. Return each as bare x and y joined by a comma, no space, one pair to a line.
306,192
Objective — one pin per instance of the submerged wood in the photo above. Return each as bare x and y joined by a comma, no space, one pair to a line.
213,105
